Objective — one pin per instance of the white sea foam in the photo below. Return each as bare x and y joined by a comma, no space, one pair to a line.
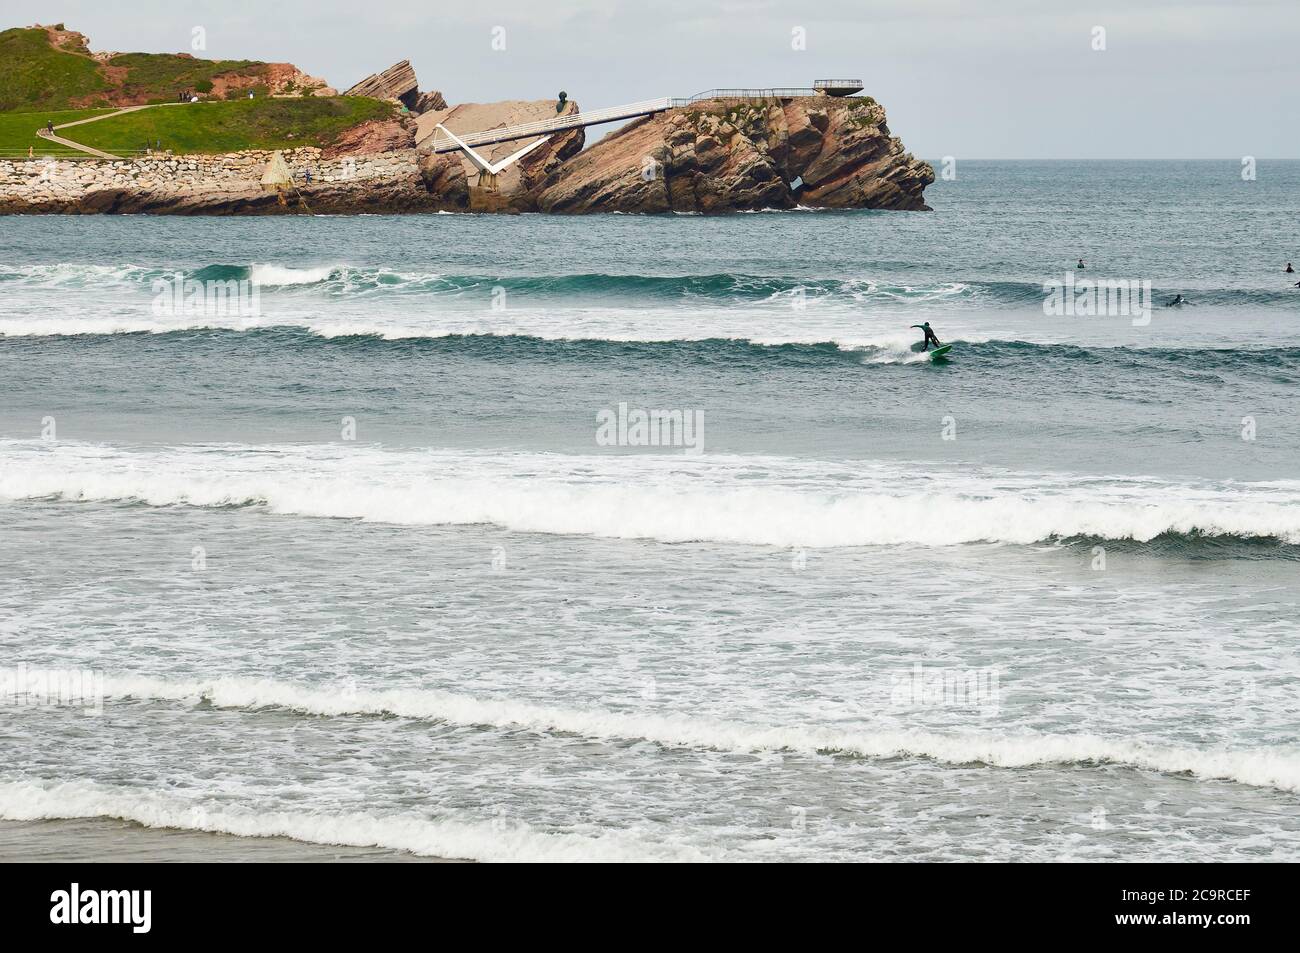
769,501
646,325
66,275
267,274
865,289
1262,767
508,840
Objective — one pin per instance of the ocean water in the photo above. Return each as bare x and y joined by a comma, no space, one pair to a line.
355,566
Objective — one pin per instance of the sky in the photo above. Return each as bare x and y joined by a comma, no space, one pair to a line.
973,79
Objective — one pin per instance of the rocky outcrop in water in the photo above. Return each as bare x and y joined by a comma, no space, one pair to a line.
733,155
711,157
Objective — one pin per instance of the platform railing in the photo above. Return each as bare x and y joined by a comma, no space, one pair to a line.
788,92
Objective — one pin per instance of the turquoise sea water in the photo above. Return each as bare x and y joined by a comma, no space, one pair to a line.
355,566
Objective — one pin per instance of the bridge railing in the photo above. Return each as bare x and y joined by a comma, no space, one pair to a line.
441,143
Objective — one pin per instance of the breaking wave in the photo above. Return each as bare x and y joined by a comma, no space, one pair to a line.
1275,767
509,841
666,497
338,279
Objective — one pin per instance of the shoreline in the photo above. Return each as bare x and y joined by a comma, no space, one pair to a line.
113,840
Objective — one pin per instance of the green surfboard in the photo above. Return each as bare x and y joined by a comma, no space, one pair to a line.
940,353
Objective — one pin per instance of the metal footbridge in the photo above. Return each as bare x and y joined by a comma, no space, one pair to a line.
443,141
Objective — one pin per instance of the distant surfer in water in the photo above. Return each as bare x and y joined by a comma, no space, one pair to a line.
929,335
1177,302
1289,269
1080,264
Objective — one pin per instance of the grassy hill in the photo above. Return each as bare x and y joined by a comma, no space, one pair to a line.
49,74
155,77
51,68
35,75
211,127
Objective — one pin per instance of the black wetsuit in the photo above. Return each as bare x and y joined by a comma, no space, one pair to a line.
929,336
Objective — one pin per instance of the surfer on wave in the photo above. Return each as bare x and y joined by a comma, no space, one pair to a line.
929,335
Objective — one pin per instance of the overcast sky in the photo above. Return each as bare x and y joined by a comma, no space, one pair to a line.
968,78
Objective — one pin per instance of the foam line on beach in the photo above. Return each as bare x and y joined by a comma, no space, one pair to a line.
504,840
1277,768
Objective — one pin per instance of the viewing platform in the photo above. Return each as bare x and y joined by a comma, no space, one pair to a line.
838,87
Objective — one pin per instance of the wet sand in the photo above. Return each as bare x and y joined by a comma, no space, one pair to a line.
99,839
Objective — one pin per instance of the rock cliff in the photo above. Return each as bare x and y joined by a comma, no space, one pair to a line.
399,82
372,137
733,155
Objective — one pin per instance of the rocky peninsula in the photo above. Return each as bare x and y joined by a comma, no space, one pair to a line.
776,149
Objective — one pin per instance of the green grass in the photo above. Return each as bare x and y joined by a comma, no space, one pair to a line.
34,75
214,127
39,83
161,75
18,131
